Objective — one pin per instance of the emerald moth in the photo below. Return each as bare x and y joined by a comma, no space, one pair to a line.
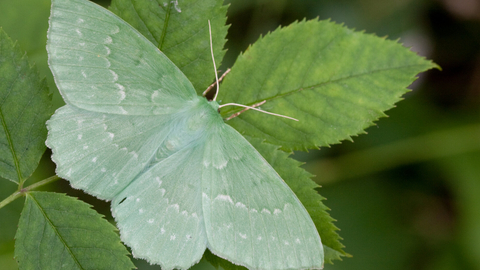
180,180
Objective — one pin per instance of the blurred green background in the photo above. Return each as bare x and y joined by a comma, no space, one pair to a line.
407,194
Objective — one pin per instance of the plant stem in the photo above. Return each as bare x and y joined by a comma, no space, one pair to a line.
422,148
23,191
10,198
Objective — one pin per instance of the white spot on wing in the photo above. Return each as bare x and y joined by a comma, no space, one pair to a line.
110,135
119,86
244,236
79,32
150,220
94,159
108,51
85,147
240,205
79,136
108,40
162,230
172,237
297,241
277,211
221,165
84,74
170,144
80,20
285,206
115,78
266,211
115,30
103,170
122,95
206,163
154,94
141,210
259,238
123,110
224,198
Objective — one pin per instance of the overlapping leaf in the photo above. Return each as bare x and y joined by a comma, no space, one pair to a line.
180,30
60,232
334,80
25,105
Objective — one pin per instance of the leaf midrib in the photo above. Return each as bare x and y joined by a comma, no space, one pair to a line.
10,145
294,91
56,231
165,26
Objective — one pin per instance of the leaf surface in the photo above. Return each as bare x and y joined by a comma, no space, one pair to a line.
334,80
180,30
60,232
25,105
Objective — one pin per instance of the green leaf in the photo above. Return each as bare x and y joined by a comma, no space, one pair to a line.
25,105
302,185
334,80
218,262
180,30
60,232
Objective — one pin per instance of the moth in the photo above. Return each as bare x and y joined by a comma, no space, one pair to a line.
180,180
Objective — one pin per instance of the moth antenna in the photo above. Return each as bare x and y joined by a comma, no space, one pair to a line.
213,84
218,88
213,58
253,107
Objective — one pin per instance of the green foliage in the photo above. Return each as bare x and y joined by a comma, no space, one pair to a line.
180,31
56,231
335,91
334,80
25,105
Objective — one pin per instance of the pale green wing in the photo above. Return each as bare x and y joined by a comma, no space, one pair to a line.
103,153
160,214
102,64
252,218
